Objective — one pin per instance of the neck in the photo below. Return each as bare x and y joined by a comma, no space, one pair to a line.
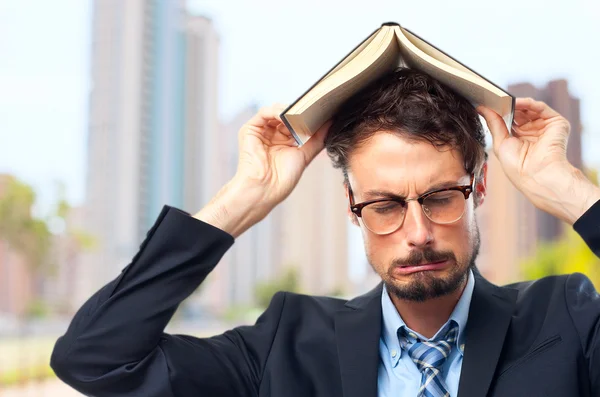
427,317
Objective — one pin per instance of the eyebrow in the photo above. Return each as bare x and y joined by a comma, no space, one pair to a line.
375,193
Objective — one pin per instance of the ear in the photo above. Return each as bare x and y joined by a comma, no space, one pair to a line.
351,215
481,186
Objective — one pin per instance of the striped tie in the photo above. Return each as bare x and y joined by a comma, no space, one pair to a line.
429,358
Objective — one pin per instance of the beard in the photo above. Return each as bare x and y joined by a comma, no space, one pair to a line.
426,285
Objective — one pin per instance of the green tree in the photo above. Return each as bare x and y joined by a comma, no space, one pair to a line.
568,255
18,228
20,231
83,240
289,281
337,292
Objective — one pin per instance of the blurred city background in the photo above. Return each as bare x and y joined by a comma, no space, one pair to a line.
110,109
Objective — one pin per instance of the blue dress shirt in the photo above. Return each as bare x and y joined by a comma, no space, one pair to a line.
398,375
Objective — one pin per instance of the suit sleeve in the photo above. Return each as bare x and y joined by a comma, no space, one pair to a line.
588,227
583,301
116,346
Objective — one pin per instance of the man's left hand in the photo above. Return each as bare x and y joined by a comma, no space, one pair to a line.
534,158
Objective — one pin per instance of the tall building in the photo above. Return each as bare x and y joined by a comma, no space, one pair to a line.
152,116
256,255
163,104
154,139
314,236
204,143
114,135
507,223
510,225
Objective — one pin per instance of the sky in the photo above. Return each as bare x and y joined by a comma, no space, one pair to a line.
272,51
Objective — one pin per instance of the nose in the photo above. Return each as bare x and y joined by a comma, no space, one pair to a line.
417,226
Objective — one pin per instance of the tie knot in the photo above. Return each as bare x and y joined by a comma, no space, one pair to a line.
433,354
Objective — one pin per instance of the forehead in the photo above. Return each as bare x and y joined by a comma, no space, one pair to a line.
387,160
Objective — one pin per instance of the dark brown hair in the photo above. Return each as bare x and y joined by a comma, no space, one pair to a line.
414,106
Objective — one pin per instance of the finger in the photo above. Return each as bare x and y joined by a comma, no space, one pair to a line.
496,126
539,107
521,117
267,114
518,132
315,144
531,136
534,125
282,128
531,115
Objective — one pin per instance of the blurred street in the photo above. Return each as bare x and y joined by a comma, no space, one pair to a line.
51,388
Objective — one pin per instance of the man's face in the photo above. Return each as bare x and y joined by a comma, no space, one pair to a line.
389,163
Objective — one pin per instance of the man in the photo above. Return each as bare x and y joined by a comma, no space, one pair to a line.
412,153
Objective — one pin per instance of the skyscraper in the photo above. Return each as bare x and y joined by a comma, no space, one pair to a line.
152,114
204,142
314,236
115,143
154,139
508,227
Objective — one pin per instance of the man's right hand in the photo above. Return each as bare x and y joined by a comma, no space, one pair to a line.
269,167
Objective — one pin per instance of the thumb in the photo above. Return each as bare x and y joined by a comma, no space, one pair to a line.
315,144
496,126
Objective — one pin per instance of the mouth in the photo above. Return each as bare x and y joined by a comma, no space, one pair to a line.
403,270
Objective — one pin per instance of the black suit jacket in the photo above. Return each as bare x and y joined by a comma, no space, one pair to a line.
529,339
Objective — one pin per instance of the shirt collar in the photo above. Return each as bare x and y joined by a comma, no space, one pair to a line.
392,321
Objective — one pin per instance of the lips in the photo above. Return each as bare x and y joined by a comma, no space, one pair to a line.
424,264
403,270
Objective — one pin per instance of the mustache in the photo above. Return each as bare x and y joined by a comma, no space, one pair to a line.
423,256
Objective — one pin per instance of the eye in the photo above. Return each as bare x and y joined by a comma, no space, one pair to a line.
439,200
386,207
442,199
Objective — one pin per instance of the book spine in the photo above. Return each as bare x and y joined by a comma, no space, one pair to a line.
289,127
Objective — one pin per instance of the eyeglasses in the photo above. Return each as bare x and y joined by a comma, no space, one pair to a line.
386,215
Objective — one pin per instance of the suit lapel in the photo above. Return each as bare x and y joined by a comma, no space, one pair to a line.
357,329
489,317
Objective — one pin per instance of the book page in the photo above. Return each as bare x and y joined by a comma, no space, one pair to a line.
434,52
381,56
470,85
377,45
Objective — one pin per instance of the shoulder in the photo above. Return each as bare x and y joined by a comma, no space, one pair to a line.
574,288
293,307
311,302
544,284
287,308
301,308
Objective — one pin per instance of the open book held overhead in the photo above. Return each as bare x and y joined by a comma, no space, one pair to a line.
383,51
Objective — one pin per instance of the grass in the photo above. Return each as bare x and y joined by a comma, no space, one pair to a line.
20,376
25,359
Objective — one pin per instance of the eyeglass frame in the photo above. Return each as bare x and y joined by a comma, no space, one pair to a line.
357,208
